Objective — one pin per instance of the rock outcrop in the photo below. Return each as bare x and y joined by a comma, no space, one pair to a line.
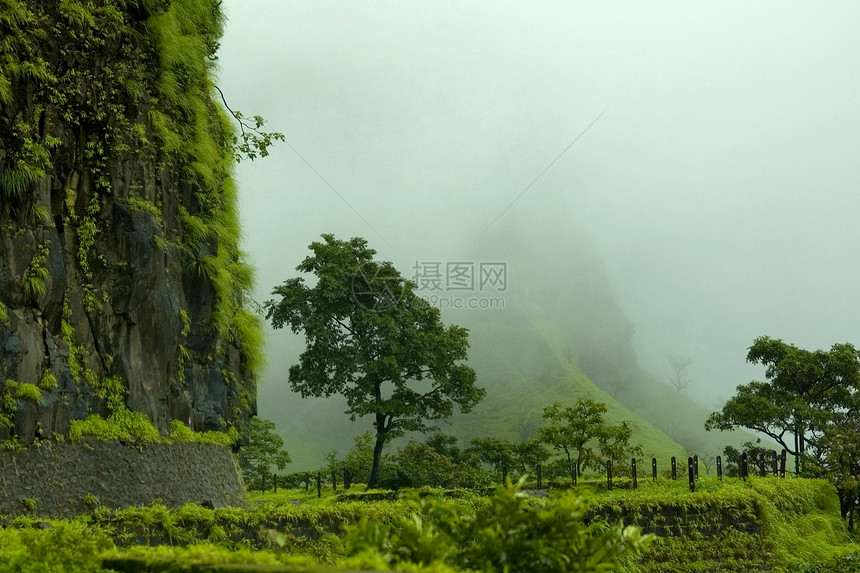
121,279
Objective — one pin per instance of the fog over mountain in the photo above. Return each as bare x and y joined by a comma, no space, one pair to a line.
702,154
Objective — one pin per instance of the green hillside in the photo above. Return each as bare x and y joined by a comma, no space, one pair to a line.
525,364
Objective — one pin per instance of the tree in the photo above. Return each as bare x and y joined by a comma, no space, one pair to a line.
530,454
618,382
265,449
841,464
571,429
678,378
526,425
357,460
614,444
807,392
584,435
371,339
436,462
495,452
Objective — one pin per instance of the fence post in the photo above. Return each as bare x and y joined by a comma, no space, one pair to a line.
654,469
319,485
609,474
691,474
635,479
743,468
696,466
782,464
761,469
539,480
674,469
719,467
347,478
773,463
573,473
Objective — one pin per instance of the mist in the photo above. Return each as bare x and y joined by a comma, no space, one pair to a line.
702,155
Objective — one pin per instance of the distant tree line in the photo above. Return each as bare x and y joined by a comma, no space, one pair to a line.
577,434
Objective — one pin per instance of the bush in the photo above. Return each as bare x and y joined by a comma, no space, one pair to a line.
507,534
419,465
62,548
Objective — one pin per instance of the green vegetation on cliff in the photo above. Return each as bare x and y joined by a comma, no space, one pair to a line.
113,141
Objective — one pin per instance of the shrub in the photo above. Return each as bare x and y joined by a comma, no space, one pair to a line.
179,432
505,535
65,547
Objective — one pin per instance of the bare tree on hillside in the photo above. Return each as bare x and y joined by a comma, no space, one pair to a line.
678,378
618,384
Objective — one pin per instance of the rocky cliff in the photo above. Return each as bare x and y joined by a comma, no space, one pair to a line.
121,280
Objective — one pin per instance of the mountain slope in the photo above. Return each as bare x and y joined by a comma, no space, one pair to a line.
523,364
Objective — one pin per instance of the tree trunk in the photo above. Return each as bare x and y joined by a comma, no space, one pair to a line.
851,506
377,460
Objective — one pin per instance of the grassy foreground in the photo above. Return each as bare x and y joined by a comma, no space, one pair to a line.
789,525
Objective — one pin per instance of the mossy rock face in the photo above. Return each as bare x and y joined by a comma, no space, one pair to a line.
119,256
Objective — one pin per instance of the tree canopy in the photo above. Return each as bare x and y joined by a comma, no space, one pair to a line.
806,393
371,339
809,405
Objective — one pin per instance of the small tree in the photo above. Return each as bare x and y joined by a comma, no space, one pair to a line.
584,435
265,449
614,444
841,465
495,452
530,454
678,378
618,383
371,339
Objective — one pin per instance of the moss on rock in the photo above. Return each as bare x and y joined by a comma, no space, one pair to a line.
120,254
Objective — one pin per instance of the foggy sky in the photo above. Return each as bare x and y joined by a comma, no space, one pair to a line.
719,185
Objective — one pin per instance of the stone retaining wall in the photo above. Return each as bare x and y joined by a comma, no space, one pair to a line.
69,478
671,520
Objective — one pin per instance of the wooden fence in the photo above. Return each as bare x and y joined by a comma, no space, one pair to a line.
774,466
762,467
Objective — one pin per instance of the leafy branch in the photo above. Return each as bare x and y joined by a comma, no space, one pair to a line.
255,141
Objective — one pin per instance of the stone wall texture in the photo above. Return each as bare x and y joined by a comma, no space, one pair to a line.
66,478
